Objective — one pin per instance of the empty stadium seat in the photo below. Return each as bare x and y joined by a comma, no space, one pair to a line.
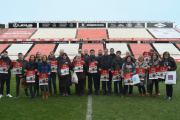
129,33
54,33
162,47
118,46
14,49
94,46
2,47
92,33
69,49
17,34
164,33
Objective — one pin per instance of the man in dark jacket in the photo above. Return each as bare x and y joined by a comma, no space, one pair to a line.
38,58
52,57
99,74
5,77
19,76
92,58
86,53
117,65
129,54
105,64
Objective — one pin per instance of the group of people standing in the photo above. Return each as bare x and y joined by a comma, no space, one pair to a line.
128,64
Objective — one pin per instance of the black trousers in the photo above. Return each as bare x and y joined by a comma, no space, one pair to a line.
94,77
169,90
37,84
18,80
98,79
156,84
108,83
65,89
79,86
7,86
110,78
126,88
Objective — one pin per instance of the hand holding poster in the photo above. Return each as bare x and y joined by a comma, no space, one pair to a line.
153,73
104,75
30,76
4,67
161,72
141,73
128,79
92,67
43,78
64,69
147,56
17,67
116,75
78,66
53,66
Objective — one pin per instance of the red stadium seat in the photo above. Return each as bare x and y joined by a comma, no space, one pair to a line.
96,47
92,33
178,44
138,49
45,49
2,47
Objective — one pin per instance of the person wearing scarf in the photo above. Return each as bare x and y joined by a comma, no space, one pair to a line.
141,64
32,65
154,62
169,62
44,67
128,67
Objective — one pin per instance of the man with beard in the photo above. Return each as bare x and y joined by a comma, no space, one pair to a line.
91,76
58,59
105,64
5,77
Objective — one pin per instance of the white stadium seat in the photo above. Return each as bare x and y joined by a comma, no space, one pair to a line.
55,33
14,49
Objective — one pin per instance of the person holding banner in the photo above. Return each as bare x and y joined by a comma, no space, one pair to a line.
19,76
169,62
153,63
141,66
52,60
117,65
92,67
105,64
38,59
5,74
79,67
128,67
99,73
64,74
32,65
44,67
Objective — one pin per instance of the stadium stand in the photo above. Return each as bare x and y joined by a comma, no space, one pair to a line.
17,34
118,46
70,49
2,47
91,33
164,33
3,31
94,46
54,33
14,49
177,29
129,33
162,47
138,49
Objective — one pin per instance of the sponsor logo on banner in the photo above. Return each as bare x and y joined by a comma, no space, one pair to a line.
159,25
129,25
57,25
92,25
22,25
126,25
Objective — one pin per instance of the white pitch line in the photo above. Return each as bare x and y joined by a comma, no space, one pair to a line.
89,108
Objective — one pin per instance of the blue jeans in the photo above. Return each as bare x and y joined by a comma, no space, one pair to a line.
53,76
30,88
42,87
143,88
116,87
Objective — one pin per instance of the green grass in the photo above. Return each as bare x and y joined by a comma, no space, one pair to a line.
103,107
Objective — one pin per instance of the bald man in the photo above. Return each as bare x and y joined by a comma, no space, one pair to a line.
128,53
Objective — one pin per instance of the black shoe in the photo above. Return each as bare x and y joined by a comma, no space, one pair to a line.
26,95
89,93
169,98
109,94
104,93
80,94
166,97
97,93
31,97
16,96
77,94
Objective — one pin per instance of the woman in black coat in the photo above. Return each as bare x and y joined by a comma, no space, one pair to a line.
169,62
32,65
64,80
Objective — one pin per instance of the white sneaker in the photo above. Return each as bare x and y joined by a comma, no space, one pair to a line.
1,95
9,95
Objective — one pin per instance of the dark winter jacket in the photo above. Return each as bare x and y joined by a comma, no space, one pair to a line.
4,76
105,62
31,65
169,62
117,65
